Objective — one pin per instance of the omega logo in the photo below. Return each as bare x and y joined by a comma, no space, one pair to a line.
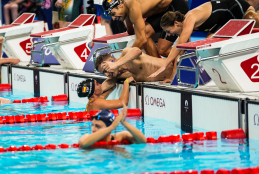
73,87
256,120
20,78
186,105
159,102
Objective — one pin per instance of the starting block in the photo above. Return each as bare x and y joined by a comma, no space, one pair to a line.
230,57
116,43
17,41
70,45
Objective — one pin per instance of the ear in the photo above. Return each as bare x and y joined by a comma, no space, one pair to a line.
176,23
120,5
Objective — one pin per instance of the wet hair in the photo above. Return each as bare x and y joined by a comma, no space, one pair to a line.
170,17
101,58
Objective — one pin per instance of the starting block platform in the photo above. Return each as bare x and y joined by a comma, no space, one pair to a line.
17,41
230,57
69,45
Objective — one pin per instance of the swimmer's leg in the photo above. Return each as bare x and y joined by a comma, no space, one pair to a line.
251,14
164,47
150,46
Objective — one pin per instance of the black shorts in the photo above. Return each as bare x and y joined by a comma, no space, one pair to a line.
222,12
154,20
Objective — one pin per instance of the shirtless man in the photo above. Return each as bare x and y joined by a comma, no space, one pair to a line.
97,98
133,12
131,63
208,16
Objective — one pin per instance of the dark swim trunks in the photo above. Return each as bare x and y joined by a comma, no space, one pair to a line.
154,20
222,12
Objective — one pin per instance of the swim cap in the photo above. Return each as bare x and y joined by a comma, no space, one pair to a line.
86,88
108,5
106,116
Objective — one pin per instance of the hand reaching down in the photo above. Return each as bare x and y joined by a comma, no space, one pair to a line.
159,71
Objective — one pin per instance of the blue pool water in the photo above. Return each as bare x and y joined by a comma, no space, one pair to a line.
121,159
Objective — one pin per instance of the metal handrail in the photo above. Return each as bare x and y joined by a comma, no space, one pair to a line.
197,70
46,45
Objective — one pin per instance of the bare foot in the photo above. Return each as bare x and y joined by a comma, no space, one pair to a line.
4,101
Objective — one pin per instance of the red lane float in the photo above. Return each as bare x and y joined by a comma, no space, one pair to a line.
212,135
134,112
207,171
17,101
223,171
41,117
233,134
62,97
5,86
188,137
191,172
35,99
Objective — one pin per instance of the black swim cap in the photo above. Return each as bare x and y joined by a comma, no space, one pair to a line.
108,5
106,116
86,88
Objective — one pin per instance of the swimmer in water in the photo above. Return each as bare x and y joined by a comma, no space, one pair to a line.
97,99
4,101
104,122
210,16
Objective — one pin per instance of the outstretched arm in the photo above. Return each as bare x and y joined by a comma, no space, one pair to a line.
88,139
134,135
108,92
128,54
109,83
100,104
183,38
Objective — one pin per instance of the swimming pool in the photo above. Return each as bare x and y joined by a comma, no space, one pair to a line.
134,158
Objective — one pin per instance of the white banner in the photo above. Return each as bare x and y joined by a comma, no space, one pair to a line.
214,114
253,121
51,84
4,75
22,79
162,104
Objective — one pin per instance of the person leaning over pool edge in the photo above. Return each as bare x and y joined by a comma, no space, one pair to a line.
104,122
97,99
210,16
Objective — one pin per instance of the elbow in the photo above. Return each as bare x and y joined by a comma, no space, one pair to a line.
143,41
126,102
137,51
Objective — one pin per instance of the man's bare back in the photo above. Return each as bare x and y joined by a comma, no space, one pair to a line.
148,7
